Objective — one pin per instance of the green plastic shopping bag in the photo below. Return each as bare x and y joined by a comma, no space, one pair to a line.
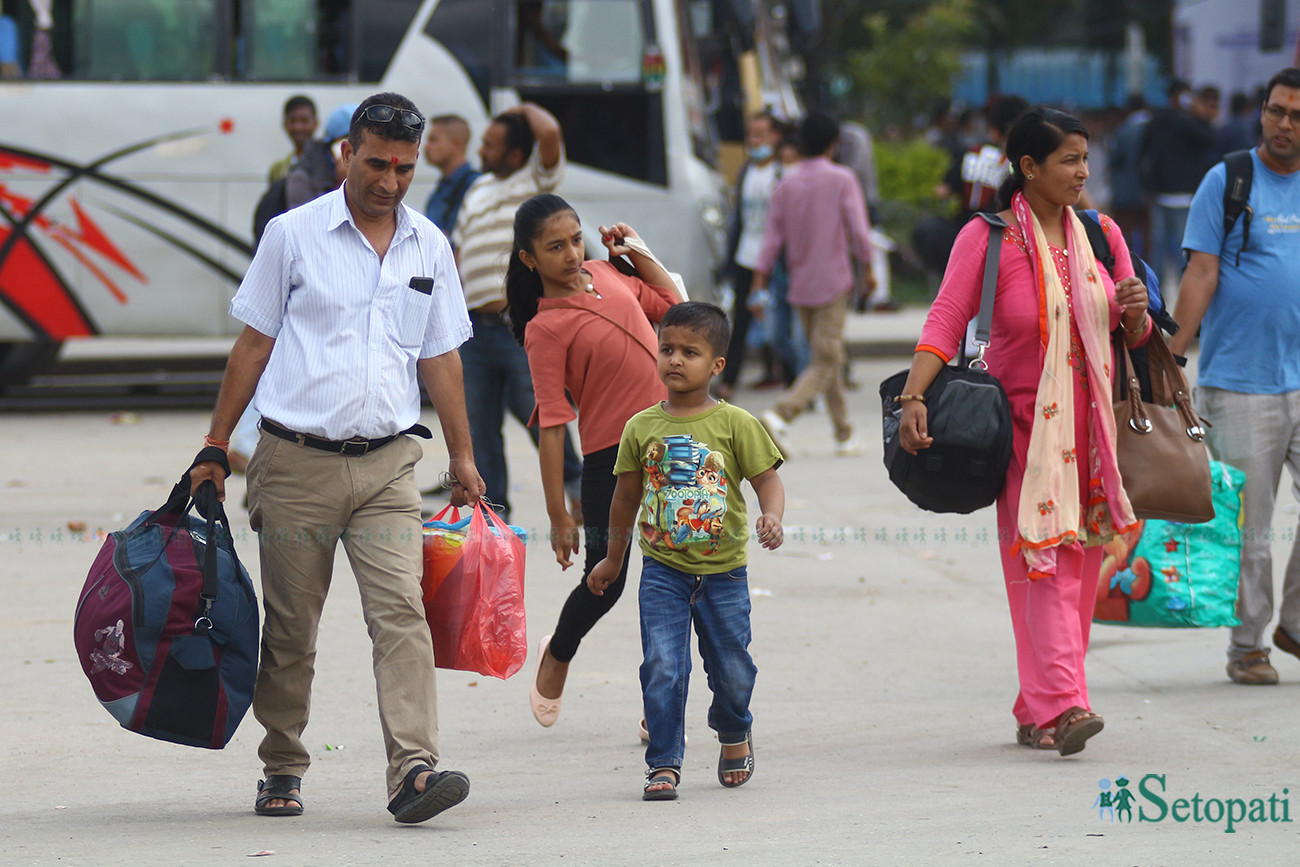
1177,575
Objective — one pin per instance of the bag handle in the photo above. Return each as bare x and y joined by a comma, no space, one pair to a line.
455,514
984,323
1168,385
210,509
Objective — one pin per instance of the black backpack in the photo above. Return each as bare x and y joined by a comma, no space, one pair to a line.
1236,193
274,202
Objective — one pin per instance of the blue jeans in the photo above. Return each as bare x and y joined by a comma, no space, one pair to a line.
718,606
785,332
497,379
1166,259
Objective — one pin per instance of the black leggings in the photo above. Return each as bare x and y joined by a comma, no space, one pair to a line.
583,608
741,319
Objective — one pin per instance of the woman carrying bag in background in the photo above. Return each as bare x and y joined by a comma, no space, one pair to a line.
587,329
1054,310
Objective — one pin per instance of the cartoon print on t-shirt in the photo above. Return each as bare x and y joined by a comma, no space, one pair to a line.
685,495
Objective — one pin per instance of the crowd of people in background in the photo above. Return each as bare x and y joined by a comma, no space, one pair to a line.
1146,161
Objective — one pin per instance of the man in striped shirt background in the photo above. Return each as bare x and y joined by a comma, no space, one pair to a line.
522,154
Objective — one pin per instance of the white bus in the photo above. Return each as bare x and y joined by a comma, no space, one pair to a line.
128,184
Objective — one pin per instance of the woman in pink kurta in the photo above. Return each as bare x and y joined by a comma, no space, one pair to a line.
1049,346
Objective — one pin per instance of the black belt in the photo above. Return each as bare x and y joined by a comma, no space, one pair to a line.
498,317
352,448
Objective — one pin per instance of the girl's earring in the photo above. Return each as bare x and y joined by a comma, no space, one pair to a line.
1029,177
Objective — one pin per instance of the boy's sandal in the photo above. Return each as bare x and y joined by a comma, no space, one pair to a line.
1074,727
1030,735
737,765
653,778
279,787
444,789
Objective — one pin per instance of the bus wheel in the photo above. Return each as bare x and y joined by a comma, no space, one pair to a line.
20,360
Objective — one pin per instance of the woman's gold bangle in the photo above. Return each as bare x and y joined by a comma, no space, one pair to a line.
902,397
1141,326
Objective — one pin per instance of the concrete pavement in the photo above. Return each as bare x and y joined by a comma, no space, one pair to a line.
882,728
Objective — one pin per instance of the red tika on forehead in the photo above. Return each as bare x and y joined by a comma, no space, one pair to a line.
394,162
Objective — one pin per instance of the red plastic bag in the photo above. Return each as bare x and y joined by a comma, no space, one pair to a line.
474,594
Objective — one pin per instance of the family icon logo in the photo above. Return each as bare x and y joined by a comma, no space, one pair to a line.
1117,803
1116,800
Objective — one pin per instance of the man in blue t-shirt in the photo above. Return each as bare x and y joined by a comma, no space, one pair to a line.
1245,299
444,148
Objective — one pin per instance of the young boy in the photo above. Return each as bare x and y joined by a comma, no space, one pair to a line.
681,461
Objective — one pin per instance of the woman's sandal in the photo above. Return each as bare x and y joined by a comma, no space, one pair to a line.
279,787
1074,727
443,790
737,765
658,777
1030,735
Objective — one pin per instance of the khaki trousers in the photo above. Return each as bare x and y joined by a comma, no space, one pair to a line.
302,502
825,371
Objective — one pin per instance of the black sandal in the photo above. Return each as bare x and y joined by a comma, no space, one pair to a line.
668,794
444,790
735,766
278,787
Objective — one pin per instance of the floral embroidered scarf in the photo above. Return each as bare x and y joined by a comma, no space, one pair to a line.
1050,514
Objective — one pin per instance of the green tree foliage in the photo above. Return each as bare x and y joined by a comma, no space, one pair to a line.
910,170
910,59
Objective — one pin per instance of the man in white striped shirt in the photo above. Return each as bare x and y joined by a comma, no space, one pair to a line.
522,154
349,298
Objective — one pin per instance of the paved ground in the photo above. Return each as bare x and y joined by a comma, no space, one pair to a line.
882,714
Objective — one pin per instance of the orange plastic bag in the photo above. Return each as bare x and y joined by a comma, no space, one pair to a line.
474,593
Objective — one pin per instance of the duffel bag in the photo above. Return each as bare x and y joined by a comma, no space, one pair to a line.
166,625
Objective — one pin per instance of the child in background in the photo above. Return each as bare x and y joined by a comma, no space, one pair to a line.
681,462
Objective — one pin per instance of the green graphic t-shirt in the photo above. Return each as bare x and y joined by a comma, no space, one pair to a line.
692,508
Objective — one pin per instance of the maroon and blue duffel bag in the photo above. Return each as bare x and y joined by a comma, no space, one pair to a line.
166,626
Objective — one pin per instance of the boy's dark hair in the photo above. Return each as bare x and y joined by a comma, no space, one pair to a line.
394,129
704,319
818,132
296,102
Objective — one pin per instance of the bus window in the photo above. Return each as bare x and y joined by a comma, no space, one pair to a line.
470,30
280,41
377,28
144,40
233,40
581,41
585,62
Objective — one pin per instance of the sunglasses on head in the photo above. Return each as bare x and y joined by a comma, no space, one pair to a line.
380,113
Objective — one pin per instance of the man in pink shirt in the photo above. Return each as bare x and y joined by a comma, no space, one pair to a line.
818,218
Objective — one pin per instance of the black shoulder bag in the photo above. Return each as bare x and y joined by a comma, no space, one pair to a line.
968,416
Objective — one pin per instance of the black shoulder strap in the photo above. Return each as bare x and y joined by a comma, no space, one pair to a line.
1236,196
984,323
458,191
1097,240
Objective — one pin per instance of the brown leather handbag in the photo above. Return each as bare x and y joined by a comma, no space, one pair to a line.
1160,445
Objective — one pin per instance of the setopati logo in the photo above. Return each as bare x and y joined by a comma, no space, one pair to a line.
1153,802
